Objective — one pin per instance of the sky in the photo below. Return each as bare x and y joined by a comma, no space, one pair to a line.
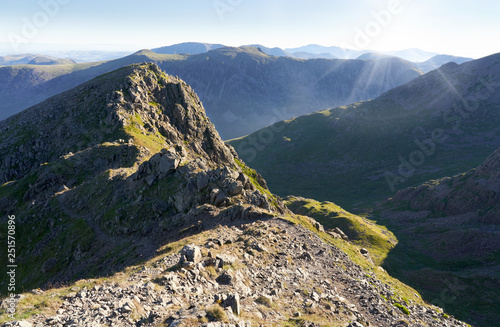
469,28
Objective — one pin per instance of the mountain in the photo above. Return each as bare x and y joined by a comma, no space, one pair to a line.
307,55
129,210
373,56
415,55
243,88
439,124
337,52
30,59
278,52
45,60
439,60
23,86
448,230
188,48
92,161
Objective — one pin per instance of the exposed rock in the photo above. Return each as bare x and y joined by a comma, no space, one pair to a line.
190,253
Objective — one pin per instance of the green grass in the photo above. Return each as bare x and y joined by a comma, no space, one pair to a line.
254,178
153,141
342,154
402,308
363,232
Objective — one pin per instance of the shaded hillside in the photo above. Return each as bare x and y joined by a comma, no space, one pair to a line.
245,89
439,60
439,124
449,229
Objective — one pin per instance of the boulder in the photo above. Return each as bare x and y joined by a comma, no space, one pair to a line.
233,301
190,253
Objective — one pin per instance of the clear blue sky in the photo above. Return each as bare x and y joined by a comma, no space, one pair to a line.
460,27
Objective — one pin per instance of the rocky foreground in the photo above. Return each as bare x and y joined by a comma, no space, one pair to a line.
265,273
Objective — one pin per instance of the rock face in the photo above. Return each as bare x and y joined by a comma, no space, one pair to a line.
477,192
127,157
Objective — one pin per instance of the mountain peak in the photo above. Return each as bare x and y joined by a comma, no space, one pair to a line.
137,102
128,156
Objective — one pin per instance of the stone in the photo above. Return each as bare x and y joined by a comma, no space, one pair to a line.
23,323
150,179
226,278
190,253
319,227
233,301
168,163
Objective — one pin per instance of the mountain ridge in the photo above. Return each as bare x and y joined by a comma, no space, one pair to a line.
131,132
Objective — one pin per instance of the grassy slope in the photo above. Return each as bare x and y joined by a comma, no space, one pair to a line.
342,153
363,232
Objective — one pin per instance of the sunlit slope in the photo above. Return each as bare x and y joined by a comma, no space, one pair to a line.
440,124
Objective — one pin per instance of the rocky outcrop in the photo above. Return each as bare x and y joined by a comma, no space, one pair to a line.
477,192
128,156
300,280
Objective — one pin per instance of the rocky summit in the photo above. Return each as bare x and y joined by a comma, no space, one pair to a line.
131,211
127,158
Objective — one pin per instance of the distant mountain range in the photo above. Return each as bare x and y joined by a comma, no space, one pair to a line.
33,59
188,48
440,124
305,52
243,89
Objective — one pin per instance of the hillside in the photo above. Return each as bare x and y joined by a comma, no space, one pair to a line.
25,85
365,233
365,152
439,60
448,230
124,180
32,59
243,89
